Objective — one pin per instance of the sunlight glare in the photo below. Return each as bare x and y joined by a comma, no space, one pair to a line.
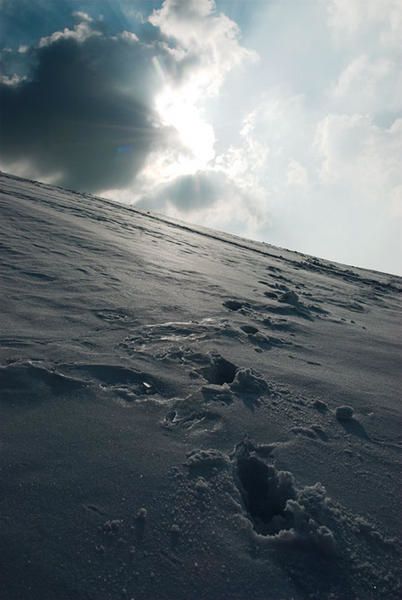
177,108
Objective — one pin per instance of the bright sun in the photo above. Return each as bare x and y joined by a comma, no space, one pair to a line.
179,108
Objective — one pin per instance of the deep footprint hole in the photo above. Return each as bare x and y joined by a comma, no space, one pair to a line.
249,329
265,492
234,304
220,371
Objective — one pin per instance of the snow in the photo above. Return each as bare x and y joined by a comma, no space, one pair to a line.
188,414
344,413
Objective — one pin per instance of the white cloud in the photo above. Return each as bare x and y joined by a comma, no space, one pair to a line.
296,174
128,36
369,86
204,47
360,154
80,32
82,16
11,80
368,34
209,42
352,20
332,184
321,148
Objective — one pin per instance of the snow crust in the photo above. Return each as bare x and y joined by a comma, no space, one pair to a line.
185,414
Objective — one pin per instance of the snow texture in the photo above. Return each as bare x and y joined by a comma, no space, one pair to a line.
187,414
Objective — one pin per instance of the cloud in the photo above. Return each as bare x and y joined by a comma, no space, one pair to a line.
355,21
331,182
85,113
80,32
207,43
359,153
209,198
205,47
367,34
319,144
313,167
175,112
187,193
85,108
369,85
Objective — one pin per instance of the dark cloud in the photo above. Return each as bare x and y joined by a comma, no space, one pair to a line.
85,113
76,106
191,192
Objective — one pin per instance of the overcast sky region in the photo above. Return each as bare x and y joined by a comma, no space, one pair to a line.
278,120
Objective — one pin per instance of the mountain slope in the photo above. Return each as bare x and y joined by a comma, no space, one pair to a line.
171,411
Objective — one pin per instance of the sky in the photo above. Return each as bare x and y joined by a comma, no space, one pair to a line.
276,120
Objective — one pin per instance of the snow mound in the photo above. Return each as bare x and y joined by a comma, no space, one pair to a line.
248,382
277,509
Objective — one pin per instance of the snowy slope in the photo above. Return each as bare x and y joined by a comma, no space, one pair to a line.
169,423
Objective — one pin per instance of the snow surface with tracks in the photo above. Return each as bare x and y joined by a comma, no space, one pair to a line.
186,414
